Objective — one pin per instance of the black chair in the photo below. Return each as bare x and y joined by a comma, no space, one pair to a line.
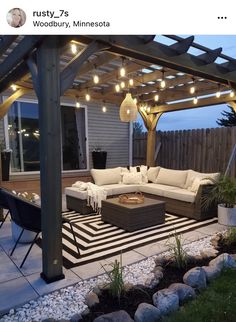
3,205
27,215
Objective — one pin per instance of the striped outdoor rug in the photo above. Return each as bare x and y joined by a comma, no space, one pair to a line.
98,240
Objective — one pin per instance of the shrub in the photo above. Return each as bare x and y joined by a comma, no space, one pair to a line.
176,248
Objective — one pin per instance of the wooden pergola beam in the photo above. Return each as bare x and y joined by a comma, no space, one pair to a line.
19,53
5,42
209,101
160,54
4,107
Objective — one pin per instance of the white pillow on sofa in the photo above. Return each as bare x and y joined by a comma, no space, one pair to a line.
152,173
132,178
194,174
197,182
172,177
106,176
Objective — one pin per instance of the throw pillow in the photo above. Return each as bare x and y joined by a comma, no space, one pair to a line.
172,177
152,173
197,182
132,178
106,176
143,170
194,174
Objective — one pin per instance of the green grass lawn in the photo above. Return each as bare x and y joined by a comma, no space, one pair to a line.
215,304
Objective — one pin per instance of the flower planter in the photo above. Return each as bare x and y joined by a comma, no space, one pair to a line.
226,216
27,236
99,159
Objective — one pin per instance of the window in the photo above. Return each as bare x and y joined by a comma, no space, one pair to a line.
24,137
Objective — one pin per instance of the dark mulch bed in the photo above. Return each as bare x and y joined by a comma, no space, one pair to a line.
222,247
131,299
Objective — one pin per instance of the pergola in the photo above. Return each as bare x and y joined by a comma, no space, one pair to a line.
47,66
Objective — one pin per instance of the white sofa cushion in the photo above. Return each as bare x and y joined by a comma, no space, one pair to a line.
106,176
176,178
119,189
180,194
132,178
155,189
75,192
194,174
152,173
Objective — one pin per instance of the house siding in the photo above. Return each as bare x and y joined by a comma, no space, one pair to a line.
106,131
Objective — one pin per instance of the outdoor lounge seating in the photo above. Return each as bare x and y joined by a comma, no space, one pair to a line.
27,216
182,190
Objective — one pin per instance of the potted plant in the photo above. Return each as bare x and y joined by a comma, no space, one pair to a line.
99,158
5,161
224,194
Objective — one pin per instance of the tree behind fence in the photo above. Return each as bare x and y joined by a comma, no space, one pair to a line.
205,150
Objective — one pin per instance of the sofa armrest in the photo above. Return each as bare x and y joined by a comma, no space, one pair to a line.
203,190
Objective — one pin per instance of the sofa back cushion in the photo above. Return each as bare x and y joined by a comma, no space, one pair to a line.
152,173
176,178
192,175
132,178
106,176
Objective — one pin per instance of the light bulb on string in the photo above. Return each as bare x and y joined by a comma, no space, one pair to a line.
218,93
95,79
73,48
195,100
13,87
135,100
156,97
131,82
117,88
122,84
122,69
232,93
104,109
163,83
87,97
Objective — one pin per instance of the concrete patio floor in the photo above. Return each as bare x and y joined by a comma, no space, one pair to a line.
18,286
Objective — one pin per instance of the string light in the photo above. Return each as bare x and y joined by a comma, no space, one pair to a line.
232,93
131,82
218,93
95,79
122,84
87,97
156,97
192,88
73,48
122,69
135,100
104,109
14,88
117,88
163,83
195,100
128,111
148,109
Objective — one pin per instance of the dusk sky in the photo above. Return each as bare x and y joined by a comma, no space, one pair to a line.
201,117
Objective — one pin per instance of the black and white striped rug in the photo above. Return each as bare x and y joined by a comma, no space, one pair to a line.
98,240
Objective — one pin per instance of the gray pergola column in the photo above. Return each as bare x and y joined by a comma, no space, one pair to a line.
50,158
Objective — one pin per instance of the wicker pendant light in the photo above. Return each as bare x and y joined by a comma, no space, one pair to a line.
128,109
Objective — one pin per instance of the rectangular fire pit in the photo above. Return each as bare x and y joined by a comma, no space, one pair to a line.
135,216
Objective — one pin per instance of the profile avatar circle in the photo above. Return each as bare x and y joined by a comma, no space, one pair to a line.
16,17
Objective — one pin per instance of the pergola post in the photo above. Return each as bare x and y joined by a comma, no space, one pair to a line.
4,107
150,122
50,158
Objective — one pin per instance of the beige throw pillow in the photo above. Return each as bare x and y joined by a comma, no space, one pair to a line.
171,177
132,178
106,176
194,174
152,173
197,182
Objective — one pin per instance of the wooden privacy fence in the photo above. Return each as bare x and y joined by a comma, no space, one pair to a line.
205,150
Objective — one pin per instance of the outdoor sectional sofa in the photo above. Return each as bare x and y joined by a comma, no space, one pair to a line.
182,190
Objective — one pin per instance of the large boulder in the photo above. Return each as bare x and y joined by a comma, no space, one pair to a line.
118,316
211,271
195,277
166,301
91,299
223,261
147,312
184,292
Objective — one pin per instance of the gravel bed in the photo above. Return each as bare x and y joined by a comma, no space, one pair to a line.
66,302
